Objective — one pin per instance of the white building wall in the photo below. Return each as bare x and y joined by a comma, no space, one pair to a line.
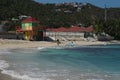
66,35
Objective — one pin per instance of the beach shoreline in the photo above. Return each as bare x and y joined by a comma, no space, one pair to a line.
13,44
21,44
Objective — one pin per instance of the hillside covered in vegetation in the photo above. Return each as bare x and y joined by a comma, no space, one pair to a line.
63,14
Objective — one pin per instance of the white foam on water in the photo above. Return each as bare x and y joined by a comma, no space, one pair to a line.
3,64
42,75
21,77
40,48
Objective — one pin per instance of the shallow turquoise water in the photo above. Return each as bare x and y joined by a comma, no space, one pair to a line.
78,63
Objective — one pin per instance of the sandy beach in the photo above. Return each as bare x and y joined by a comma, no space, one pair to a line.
13,44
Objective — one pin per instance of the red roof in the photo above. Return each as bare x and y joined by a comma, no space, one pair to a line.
29,19
61,29
72,29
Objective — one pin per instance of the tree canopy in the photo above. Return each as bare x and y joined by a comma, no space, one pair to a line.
65,15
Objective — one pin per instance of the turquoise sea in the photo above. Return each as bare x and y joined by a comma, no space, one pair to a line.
100,62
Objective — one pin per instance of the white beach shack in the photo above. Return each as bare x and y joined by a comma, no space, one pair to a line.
74,33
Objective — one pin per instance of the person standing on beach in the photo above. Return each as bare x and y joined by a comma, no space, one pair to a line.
58,42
